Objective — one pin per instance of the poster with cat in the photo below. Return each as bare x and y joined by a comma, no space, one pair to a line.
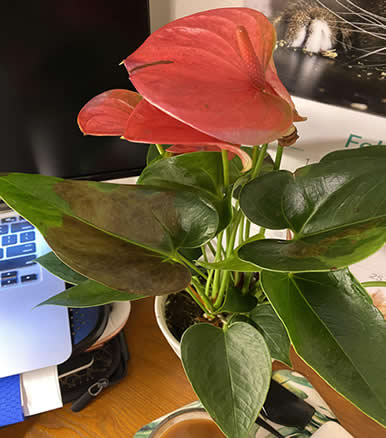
332,50
331,55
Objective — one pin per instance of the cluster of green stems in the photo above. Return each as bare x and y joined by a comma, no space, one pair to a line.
208,288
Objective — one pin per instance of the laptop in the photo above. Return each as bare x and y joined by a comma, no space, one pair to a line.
30,337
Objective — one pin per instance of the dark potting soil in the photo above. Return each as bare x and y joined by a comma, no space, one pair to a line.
181,312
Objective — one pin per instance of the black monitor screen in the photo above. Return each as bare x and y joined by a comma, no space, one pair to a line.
54,57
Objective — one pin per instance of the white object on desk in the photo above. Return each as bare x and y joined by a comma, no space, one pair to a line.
331,430
40,391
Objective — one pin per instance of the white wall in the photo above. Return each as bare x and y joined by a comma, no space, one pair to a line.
163,11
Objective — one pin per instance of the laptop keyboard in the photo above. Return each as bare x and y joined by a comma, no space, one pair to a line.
17,252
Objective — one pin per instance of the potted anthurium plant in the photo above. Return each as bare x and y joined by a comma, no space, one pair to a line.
210,101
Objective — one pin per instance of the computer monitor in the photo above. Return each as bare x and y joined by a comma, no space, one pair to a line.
55,56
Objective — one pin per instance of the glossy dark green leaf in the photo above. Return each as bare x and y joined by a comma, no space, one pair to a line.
316,253
274,332
89,294
58,268
240,182
191,253
230,371
361,153
236,302
119,235
198,172
336,209
261,199
336,331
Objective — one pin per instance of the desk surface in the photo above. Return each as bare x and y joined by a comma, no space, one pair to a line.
155,384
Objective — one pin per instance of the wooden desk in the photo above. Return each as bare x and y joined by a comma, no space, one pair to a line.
156,384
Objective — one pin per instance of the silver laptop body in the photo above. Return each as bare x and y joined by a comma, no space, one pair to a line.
30,337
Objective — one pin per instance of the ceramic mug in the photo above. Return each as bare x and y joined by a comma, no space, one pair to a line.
190,423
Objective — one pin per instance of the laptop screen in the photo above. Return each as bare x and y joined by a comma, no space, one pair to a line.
55,56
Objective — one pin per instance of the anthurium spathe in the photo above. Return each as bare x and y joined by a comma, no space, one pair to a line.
107,113
214,72
124,113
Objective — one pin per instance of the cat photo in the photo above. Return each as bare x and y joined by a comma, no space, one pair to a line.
334,50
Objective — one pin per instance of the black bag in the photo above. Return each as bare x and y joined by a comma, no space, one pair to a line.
85,374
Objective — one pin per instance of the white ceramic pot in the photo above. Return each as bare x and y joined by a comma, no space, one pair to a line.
159,308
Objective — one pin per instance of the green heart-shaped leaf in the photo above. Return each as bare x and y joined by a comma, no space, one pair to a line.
336,331
236,302
261,199
336,209
361,153
240,179
273,330
198,172
191,253
50,262
230,371
89,294
121,236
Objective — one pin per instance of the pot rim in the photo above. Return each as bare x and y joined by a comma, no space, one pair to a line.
159,309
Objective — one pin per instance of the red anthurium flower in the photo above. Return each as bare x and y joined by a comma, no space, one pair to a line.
125,113
107,113
213,71
208,82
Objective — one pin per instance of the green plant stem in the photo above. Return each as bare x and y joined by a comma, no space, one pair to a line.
208,282
237,277
195,298
255,155
217,273
191,265
260,160
211,247
225,165
160,149
201,300
211,272
203,250
247,280
197,285
260,153
223,286
279,154
200,291
374,284
247,229
241,230
230,246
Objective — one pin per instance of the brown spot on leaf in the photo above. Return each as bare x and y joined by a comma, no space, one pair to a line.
114,262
